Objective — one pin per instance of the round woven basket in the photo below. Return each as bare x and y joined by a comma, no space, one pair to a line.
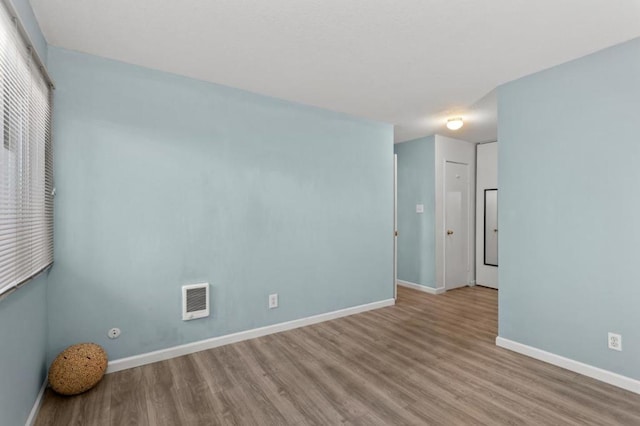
78,368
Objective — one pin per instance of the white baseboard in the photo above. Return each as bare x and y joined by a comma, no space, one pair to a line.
421,287
36,405
606,376
189,348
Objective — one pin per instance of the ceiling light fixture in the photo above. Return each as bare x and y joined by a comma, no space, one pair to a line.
454,123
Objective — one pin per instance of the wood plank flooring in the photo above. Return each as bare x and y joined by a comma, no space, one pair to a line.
428,360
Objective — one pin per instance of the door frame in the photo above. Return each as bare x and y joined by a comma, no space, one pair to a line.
395,226
486,178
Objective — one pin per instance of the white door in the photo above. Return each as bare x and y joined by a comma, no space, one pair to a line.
395,226
456,221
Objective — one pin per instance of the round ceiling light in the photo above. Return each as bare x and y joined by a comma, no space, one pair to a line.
454,123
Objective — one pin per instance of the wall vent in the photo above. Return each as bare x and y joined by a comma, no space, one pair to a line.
195,301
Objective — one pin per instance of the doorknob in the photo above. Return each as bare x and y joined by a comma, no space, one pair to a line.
449,232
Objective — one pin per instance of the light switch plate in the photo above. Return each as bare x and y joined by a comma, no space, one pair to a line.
419,208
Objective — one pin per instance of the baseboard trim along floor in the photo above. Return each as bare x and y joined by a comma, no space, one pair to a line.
605,376
33,415
420,287
201,345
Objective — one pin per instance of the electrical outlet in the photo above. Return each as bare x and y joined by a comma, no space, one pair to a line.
114,333
615,341
273,301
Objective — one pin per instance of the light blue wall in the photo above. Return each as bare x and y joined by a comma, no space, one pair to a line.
569,181
164,181
23,337
416,185
23,314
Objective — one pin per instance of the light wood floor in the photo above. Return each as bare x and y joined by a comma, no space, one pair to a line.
427,360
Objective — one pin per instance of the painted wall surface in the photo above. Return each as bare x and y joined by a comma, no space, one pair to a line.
416,238
164,181
23,314
449,149
569,200
486,178
23,363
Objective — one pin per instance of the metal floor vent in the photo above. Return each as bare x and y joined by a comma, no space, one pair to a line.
195,301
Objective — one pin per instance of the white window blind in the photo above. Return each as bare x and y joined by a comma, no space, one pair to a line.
26,166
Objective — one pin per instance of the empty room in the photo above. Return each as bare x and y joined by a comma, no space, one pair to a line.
305,212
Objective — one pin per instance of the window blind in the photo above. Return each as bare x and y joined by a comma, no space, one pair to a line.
26,166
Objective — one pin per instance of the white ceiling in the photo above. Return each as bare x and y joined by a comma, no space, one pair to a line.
410,63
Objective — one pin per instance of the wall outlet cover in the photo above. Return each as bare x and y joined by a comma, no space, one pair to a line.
419,208
273,301
615,341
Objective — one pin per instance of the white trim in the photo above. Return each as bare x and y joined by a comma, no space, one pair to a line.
421,287
189,348
33,415
606,376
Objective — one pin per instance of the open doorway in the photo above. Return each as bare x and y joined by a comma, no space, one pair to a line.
487,215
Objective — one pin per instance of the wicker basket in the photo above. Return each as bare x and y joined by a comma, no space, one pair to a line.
78,368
